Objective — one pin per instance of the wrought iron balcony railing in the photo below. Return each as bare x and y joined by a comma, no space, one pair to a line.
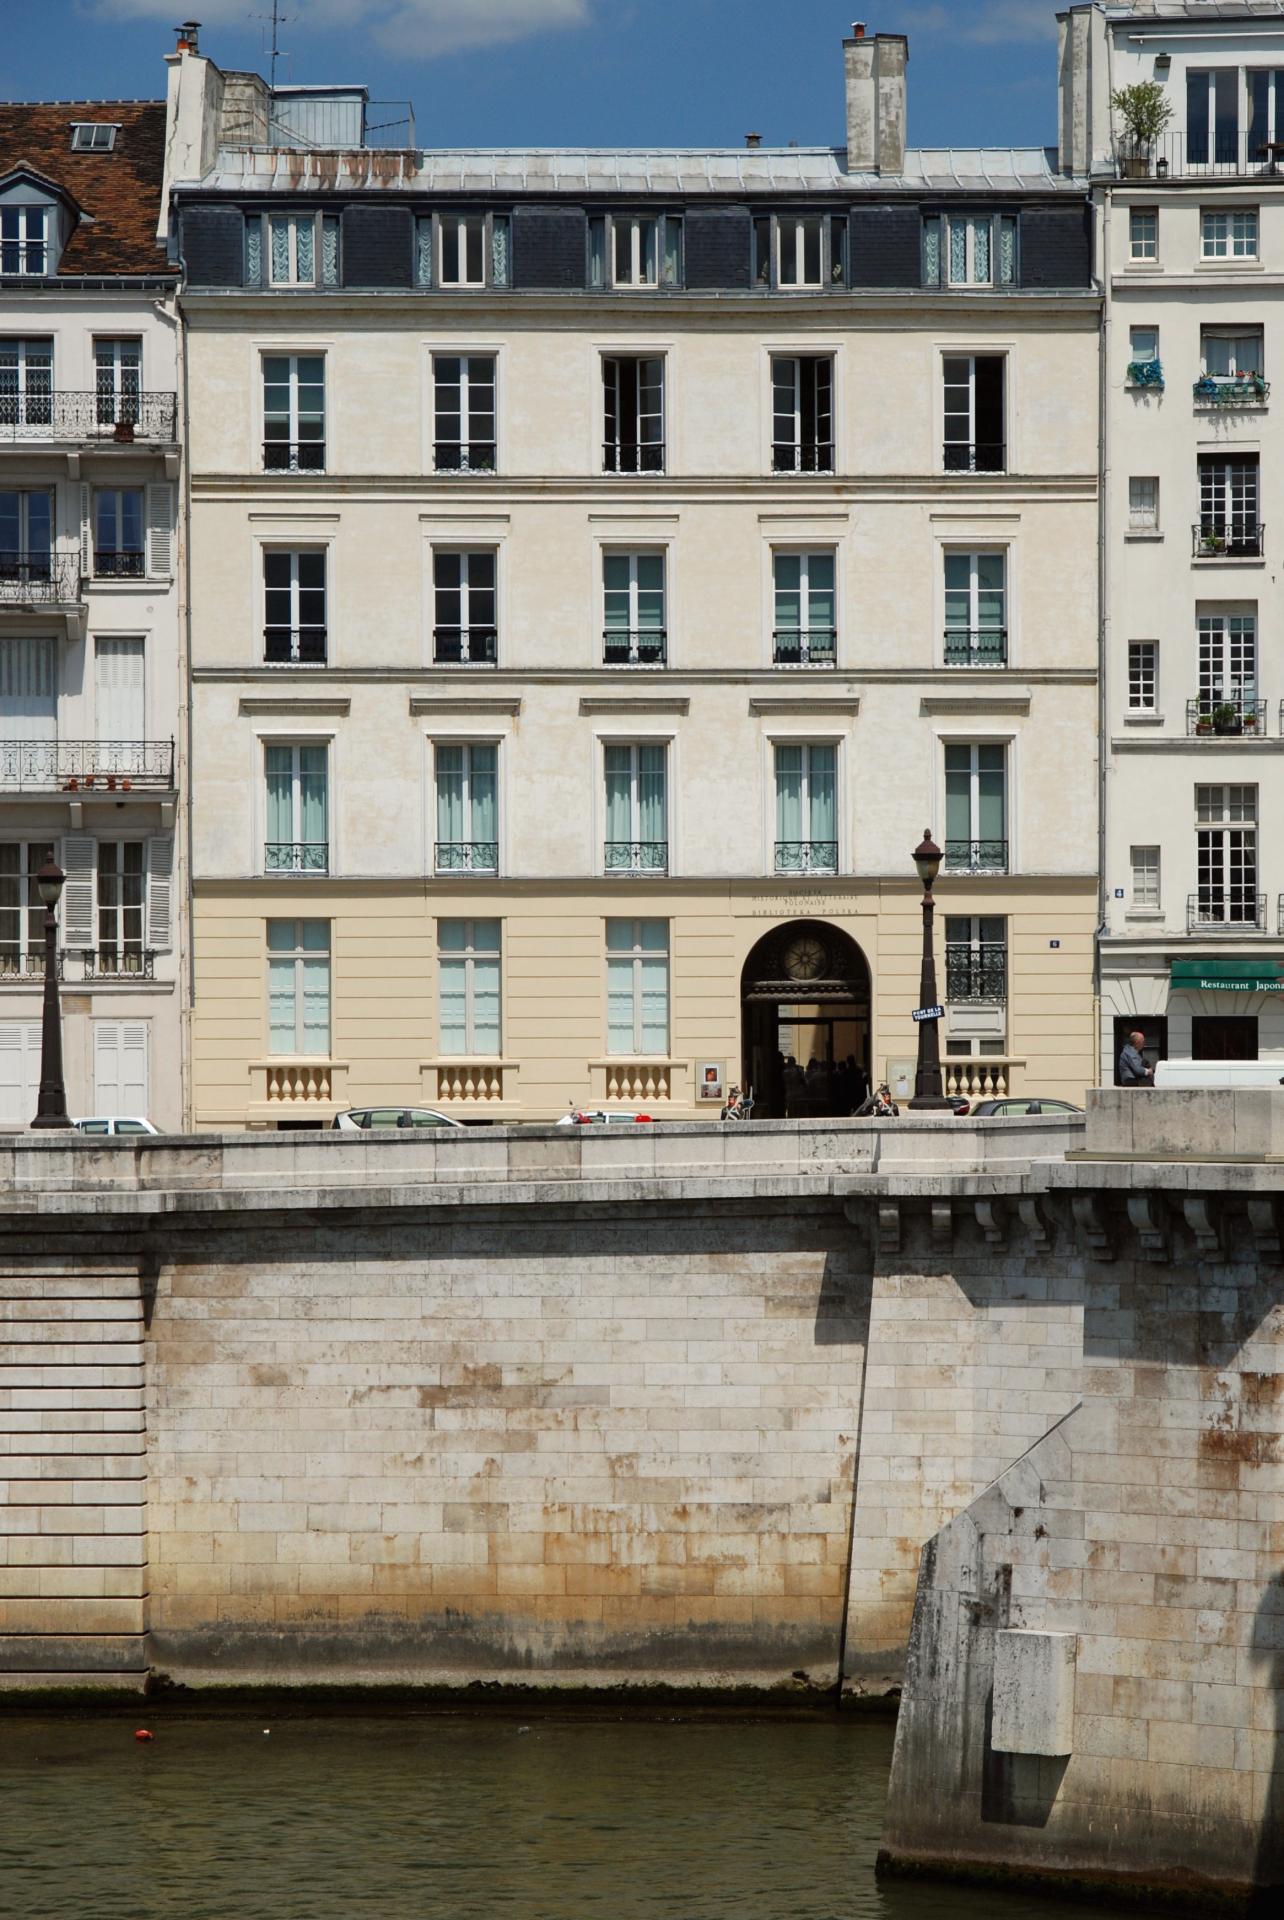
806,856
1226,715
296,857
24,963
810,456
804,647
119,564
149,419
1226,909
464,646
626,456
115,963
39,579
294,646
976,646
466,856
976,856
1214,151
1227,540
86,766
294,456
976,456
1247,390
977,973
449,457
636,856
645,647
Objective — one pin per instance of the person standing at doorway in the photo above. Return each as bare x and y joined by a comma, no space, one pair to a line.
1134,1069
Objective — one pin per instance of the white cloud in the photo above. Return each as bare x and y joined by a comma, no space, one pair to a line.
418,29
991,22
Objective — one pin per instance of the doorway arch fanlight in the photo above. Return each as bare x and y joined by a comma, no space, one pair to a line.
805,1020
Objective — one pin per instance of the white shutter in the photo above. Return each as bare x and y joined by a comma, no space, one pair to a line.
120,1067
120,694
86,531
19,1073
28,688
160,530
78,895
160,892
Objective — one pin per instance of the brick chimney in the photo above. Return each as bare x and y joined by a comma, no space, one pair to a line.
875,75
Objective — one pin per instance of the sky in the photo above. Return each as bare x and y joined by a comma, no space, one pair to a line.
575,72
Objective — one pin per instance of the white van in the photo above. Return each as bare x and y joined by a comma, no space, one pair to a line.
1220,1073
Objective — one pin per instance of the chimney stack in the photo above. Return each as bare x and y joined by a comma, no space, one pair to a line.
753,139
875,72
189,36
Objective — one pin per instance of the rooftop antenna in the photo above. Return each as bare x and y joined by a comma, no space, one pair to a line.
279,20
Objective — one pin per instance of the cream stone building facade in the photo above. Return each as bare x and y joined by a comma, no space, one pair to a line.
1192,237
602,566
91,666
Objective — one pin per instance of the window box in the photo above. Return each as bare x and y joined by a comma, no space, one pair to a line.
1146,373
1250,390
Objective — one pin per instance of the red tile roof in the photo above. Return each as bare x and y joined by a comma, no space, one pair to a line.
120,190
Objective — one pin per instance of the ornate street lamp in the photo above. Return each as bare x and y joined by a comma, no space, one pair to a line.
929,1095
52,1109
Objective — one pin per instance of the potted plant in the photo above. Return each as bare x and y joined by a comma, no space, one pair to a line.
1249,720
1203,723
124,432
1210,542
1145,110
1226,718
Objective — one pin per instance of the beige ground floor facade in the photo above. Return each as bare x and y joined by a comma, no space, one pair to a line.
499,1000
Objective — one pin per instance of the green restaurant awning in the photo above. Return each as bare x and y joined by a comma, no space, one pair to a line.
1220,975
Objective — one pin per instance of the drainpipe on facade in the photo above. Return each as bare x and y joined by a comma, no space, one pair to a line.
186,890
172,316
1103,617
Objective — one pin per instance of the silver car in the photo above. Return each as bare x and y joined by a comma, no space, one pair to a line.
362,1119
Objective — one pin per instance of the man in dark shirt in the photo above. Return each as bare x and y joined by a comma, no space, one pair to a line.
1133,1069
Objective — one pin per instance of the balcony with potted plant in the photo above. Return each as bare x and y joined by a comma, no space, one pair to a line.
1145,111
1221,717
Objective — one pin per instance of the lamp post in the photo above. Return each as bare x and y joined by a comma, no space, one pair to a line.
929,1095
52,1108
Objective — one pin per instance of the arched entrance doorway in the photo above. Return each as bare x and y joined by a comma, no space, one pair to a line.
805,999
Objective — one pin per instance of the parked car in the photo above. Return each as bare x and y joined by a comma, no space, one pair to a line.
361,1119
601,1117
1019,1109
113,1123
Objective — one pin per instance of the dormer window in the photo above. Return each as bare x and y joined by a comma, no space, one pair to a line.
292,249
461,248
635,250
969,250
25,240
92,136
794,250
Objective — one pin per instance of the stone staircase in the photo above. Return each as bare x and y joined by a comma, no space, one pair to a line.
73,1487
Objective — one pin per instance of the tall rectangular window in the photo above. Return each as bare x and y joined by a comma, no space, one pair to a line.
802,413
970,250
468,986
292,249
1143,233
806,807
1212,117
976,808
298,838
1143,503
294,609
1229,235
120,697
975,434
976,958
797,249
26,534
633,607
1232,353
462,248
804,633
1143,675
637,986
22,913
1265,110
464,633
298,987
26,384
118,380
25,241
976,603
467,776
1228,672
121,901
293,412
1144,862
637,828
633,414
119,549
1229,505
1226,856
464,412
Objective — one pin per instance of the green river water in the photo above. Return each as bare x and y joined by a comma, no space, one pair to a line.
326,1818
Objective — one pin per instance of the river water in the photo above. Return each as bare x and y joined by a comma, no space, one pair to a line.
326,1818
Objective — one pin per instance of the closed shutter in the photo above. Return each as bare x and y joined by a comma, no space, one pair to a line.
78,893
160,531
160,892
86,531
120,693
19,1072
120,1068
28,688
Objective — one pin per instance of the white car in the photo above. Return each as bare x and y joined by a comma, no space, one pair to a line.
113,1123
361,1119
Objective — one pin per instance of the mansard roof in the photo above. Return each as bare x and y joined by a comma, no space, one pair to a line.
119,190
